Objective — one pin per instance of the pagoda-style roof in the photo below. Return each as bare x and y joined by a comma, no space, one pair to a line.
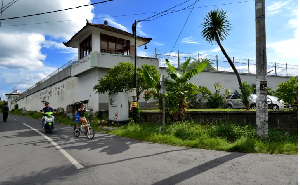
15,92
106,28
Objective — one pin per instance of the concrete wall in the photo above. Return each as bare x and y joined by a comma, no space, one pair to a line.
84,91
58,95
81,66
96,41
228,80
105,60
11,101
276,119
95,66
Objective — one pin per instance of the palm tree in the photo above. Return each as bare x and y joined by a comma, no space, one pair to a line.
216,28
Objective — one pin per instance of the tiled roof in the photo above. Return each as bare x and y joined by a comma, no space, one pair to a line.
109,28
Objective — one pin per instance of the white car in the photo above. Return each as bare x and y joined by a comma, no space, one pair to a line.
273,102
234,101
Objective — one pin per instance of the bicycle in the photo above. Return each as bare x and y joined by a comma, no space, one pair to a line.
90,132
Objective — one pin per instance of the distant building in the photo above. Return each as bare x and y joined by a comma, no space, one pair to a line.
12,99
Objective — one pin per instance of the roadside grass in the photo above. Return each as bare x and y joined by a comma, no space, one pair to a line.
224,137
232,110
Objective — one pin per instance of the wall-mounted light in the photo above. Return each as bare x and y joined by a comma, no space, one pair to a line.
145,46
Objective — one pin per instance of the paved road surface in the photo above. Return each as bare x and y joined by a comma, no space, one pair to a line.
27,157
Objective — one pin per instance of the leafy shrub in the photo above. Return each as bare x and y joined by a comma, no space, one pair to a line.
195,100
98,114
30,113
216,101
232,132
282,136
244,144
288,91
37,115
60,110
248,90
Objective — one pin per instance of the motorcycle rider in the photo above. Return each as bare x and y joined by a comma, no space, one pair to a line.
44,110
81,112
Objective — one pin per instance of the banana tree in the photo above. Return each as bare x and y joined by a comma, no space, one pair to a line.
178,88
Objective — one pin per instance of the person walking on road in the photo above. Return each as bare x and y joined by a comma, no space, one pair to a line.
5,112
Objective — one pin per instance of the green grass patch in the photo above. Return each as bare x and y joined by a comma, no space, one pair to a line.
224,137
208,110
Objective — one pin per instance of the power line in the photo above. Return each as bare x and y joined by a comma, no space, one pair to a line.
173,11
56,10
184,25
166,10
7,6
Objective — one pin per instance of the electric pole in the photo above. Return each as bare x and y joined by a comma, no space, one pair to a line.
1,12
261,70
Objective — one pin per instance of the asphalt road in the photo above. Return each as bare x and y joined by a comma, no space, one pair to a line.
27,157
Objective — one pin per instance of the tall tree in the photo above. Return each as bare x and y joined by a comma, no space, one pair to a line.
120,78
216,28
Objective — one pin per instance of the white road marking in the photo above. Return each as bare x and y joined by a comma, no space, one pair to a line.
68,156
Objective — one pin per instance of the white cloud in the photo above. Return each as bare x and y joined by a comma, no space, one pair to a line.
21,50
143,54
286,50
139,30
277,7
49,44
21,87
189,40
21,59
54,29
157,43
111,21
215,50
20,79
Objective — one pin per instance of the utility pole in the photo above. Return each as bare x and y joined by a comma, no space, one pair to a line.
1,12
261,70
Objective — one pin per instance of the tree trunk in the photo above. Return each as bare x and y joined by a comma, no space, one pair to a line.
246,102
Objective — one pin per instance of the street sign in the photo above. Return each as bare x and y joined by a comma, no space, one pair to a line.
133,104
263,87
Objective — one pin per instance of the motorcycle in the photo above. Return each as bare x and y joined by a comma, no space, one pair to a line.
49,119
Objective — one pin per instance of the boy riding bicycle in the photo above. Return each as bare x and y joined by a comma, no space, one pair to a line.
81,112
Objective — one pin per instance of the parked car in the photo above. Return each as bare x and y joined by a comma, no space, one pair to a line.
235,101
273,102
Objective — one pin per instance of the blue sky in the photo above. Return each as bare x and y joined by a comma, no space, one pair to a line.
34,51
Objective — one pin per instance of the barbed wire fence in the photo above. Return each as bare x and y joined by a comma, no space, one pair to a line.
220,63
70,63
